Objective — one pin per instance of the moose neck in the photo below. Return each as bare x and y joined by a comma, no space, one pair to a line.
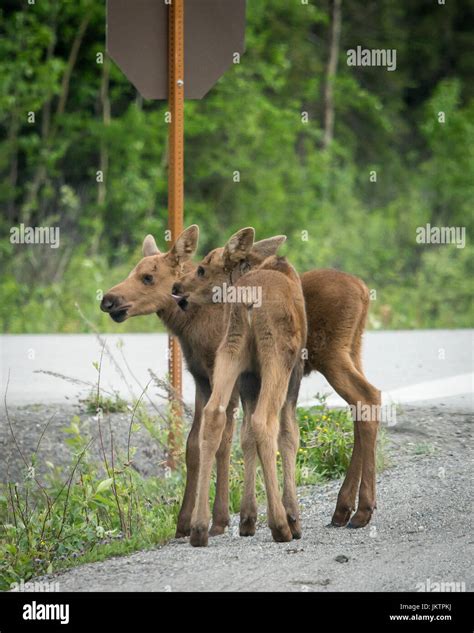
174,318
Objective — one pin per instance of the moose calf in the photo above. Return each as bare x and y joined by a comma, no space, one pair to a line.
336,306
266,341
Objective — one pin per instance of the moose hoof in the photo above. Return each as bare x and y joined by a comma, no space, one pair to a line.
247,525
360,519
217,529
294,525
341,517
183,529
182,533
199,536
281,534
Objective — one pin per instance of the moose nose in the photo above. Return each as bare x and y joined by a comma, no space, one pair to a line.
108,303
177,289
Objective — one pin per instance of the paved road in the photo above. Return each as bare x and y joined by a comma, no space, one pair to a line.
416,367
420,535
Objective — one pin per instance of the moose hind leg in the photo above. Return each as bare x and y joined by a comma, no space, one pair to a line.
220,512
352,385
288,443
265,423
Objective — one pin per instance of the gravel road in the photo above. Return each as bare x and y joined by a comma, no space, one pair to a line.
421,533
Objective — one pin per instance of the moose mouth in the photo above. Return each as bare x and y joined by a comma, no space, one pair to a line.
119,315
182,301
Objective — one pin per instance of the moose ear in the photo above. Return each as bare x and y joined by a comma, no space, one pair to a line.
238,246
149,246
268,247
186,244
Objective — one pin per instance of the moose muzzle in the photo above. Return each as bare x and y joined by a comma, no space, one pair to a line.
115,306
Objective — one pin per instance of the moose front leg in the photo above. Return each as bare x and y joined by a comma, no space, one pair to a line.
220,515
249,386
248,506
183,527
226,372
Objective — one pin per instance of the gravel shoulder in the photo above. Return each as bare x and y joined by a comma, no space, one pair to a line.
421,533
49,423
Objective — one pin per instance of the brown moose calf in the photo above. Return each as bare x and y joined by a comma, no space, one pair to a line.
265,332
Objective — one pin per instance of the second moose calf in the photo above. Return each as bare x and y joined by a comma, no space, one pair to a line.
266,341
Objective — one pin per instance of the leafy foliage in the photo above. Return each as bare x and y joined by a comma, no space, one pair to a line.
250,158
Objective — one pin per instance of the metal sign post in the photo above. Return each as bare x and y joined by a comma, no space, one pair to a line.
150,41
175,194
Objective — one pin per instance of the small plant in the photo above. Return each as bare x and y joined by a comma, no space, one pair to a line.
423,448
108,404
326,440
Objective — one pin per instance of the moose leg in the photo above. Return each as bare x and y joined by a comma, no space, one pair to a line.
368,433
352,385
220,512
226,372
265,423
248,507
346,498
192,463
288,443
367,494
249,385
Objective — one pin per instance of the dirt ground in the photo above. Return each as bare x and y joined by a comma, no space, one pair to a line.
421,533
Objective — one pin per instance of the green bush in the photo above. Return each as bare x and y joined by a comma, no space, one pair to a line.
251,123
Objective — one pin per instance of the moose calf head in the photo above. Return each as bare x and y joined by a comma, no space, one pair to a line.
148,287
224,265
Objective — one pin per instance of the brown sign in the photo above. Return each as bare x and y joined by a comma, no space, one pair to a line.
137,40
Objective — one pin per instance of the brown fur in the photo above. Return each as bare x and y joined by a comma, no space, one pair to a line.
336,306
266,343
198,347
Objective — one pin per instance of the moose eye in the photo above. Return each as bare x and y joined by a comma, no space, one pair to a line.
147,280
200,271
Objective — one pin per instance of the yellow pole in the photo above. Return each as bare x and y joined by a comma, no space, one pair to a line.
175,194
